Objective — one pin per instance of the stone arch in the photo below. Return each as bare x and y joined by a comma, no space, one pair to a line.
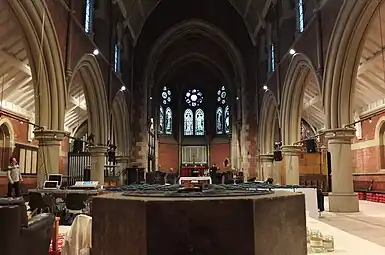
292,97
45,61
342,60
95,95
269,120
7,141
195,26
379,137
120,123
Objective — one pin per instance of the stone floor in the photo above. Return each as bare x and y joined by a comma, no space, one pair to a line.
355,233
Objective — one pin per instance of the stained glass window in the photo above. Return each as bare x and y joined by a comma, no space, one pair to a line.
161,120
272,58
300,16
165,115
199,122
227,119
219,121
88,19
168,121
222,114
188,122
194,97
117,58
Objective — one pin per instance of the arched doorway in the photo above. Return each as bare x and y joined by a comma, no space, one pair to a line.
6,142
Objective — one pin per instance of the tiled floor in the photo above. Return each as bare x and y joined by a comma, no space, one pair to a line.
355,233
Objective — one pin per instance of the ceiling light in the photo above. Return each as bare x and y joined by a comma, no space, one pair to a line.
123,88
237,98
150,98
96,52
370,120
292,51
265,87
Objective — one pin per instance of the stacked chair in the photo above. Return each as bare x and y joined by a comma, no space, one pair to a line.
20,236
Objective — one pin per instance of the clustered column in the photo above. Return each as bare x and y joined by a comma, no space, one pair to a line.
267,166
342,198
291,155
48,161
98,160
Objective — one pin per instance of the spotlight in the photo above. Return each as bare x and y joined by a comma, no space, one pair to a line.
150,98
292,51
237,98
123,88
96,52
370,120
265,87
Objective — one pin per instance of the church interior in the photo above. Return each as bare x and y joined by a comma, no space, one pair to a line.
135,127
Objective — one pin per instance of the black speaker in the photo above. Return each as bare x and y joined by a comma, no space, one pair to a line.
87,174
310,146
77,146
277,155
329,162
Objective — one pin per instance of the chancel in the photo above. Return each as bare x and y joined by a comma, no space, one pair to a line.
133,127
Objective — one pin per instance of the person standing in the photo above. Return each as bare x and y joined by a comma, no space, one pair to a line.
14,178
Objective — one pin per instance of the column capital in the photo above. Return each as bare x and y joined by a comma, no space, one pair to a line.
340,135
291,150
50,137
123,159
97,150
266,158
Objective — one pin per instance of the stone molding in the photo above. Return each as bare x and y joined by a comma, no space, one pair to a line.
123,159
50,137
291,150
97,150
266,158
340,135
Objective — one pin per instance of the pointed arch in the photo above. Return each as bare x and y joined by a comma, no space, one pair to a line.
292,97
120,121
199,122
161,120
188,120
342,59
11,132
96,97
168,121
269,121
45,60
219,120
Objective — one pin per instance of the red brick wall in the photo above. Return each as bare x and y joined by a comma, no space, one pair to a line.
64,149
368,159
168,154
219,150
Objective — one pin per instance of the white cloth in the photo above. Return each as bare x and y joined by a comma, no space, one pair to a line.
78,239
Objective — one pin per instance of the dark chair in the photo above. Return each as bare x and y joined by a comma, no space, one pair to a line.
18,236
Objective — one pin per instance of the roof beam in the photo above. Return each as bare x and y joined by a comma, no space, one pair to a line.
370,62
12,60
311,102
79,103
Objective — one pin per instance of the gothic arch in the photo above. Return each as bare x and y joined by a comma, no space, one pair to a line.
268,122
96,97
292,97
10,131
120,122
45,61
342,60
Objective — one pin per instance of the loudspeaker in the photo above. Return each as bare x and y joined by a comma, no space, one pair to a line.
277,155
329,162
310,146
87,174
77,146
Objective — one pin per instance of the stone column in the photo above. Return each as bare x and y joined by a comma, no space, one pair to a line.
342,198
122,163
291,156
48,161
98,160
267,166
277,172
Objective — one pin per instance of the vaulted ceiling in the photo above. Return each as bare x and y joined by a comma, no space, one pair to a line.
136,13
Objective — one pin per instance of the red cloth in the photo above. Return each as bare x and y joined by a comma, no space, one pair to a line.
60,243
